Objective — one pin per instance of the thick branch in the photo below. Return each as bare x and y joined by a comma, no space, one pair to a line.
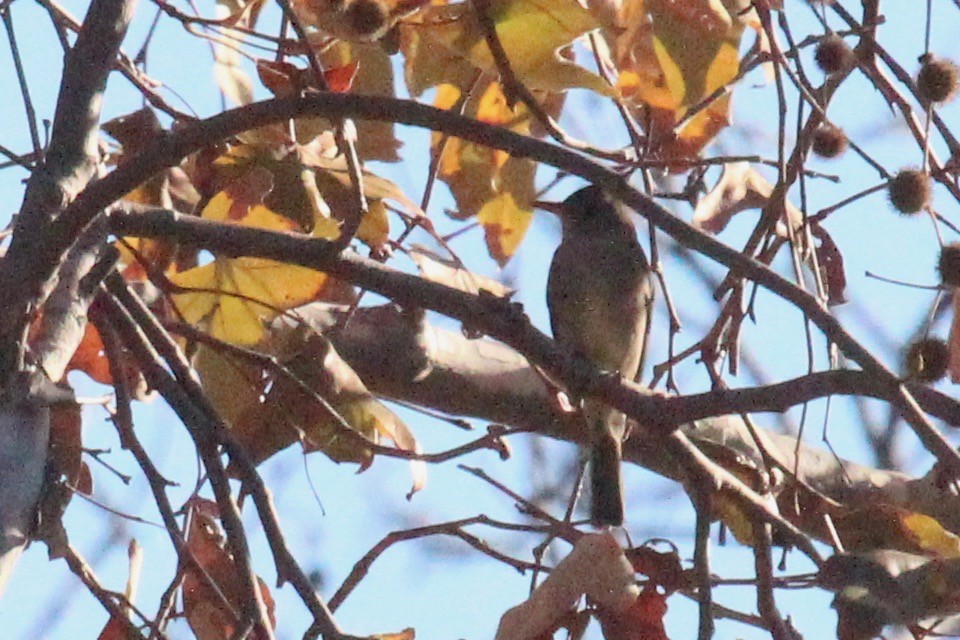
176,145
502,320
72,156
27,268
408,360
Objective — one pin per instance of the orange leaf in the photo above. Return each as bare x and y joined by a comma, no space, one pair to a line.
90,357
340,79
497,188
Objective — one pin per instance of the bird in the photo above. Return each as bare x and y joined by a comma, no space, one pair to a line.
599,296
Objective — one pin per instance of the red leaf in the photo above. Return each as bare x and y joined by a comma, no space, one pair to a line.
642,621
341,79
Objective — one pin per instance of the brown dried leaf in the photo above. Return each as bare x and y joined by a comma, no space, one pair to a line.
830,261
64,471
596,568
213,616
740,188
436,269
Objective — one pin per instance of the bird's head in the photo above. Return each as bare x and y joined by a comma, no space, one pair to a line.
590,210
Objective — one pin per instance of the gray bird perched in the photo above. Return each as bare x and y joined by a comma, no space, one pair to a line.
599,295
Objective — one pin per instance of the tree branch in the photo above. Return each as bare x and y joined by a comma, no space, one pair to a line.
170,149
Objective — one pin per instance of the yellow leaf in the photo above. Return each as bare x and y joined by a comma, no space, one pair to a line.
531,32
374,230
672,55
505,224
232,298
486,182
931,536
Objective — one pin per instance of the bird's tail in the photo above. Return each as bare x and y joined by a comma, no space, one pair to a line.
606,485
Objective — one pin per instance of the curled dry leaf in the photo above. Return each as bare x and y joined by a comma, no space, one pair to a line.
268,412
596,568
830,261
212,613
740,188
437,269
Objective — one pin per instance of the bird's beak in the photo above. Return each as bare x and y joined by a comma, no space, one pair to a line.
553,207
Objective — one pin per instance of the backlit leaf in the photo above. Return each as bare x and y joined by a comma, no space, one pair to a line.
673,55
433,268
231,298
447,41
489,183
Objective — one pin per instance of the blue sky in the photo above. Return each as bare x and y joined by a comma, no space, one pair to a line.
440,587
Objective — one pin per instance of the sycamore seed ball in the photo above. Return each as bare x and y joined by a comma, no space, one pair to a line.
909,191
927,360
833,55
829,141
949,264
938,78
